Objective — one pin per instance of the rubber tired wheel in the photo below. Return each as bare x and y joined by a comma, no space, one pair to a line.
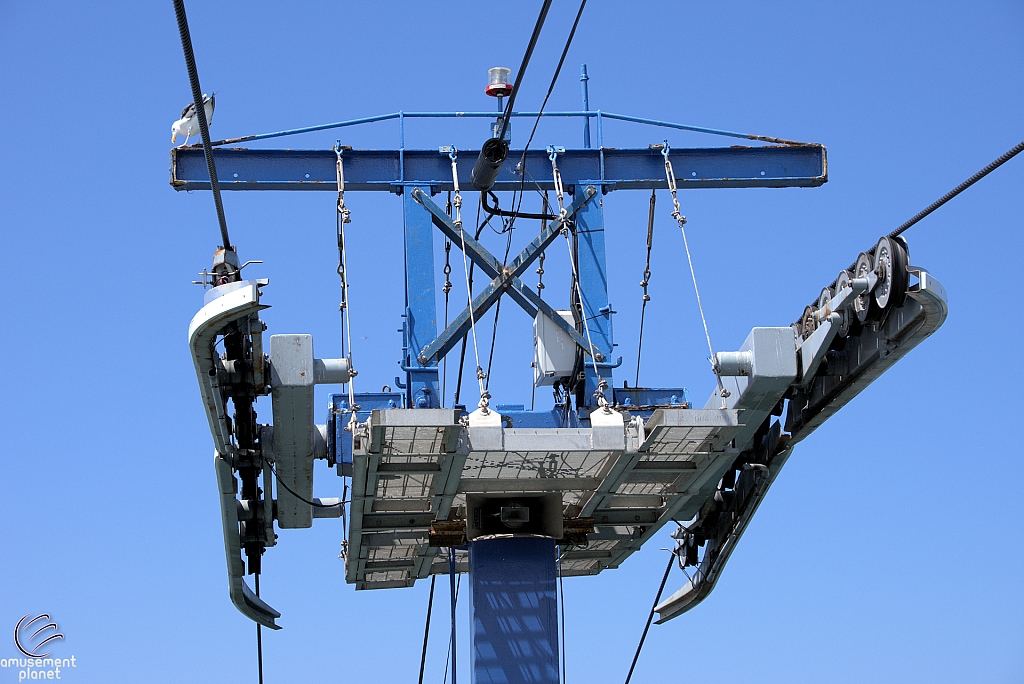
847,311
865,305
901,251
807,322
825,298
891,266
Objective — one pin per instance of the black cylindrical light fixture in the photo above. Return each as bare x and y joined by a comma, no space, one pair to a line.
488,164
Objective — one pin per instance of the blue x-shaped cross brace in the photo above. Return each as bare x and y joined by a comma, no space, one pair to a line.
505,278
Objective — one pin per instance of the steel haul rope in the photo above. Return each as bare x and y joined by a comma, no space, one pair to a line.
204,127
681,220
999,161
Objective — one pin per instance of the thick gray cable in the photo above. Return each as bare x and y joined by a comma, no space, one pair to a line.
204,126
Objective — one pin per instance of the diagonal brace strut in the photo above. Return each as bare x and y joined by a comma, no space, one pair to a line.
505,278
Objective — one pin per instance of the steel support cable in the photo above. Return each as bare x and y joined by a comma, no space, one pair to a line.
204,126
560,195
670,177
426,628
644,283
344,216
457,222
446,289
462,352
522,67
1002,159
650,618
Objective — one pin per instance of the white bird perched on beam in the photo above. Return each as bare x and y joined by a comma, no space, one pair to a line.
189,122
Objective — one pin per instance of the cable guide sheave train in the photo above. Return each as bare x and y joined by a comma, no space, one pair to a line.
607,467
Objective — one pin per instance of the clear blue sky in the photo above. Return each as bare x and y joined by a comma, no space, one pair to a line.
889,549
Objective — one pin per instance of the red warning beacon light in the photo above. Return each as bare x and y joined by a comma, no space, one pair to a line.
497,82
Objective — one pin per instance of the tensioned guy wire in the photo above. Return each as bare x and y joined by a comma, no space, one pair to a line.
644,284
670,177
457,204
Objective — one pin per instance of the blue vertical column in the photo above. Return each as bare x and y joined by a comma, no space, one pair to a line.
420,327
593,272
513,610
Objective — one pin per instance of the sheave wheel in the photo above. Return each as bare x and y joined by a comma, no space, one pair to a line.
865,306
846,312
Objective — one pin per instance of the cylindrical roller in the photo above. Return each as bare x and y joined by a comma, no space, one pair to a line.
331,371
732,364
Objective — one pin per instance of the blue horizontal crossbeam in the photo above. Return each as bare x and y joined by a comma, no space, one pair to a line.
610,169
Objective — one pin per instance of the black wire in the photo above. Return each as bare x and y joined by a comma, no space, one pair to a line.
204,127
483,195
426,628
297,495
650,617
551,87
1005,157
522,67
497,309
498,211
259,634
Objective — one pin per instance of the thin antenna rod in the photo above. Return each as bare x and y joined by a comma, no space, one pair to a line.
204,126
